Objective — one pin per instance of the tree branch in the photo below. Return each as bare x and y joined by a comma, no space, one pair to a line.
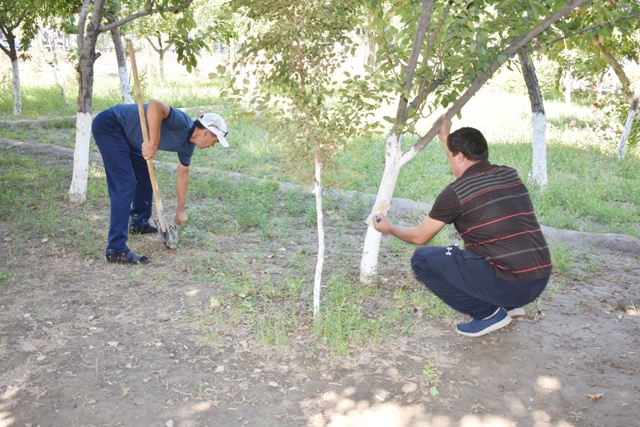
19,20
425,90
421,33
587,29
84,13
148,11
613,62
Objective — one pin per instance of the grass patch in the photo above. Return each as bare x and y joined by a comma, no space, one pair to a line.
30,191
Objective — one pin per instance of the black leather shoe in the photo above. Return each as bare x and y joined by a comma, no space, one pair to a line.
146,229
127,257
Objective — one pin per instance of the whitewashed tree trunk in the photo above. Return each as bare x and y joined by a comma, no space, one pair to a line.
568,85
41,50
125,88
627,126
161,74
15,83
317,189
539,120
393,161
78,190
232,53
539,146
392,166
87,55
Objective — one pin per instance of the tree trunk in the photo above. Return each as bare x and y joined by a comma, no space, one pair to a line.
15,83
568,84
629,123
613,62
539,118
41,51
393,161
161,75
392,165
371,46
87,56
160,49
56,72
12,53
125,89
317,189
232,53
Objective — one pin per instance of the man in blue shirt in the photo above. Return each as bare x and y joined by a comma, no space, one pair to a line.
118,134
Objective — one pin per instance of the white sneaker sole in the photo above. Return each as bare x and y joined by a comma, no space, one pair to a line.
517,312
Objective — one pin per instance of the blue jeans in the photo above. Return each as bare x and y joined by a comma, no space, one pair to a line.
465,281
130,189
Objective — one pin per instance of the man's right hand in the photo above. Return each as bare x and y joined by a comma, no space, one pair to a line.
181,217
381,223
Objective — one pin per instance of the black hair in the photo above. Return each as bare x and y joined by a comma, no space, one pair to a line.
199,124
470,142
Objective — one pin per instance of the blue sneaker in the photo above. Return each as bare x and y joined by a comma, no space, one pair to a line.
477,328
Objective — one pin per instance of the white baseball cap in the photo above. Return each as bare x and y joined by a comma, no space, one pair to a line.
216,124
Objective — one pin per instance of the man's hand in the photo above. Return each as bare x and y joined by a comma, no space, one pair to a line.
445,129
149,151
418,235
381,223
181,217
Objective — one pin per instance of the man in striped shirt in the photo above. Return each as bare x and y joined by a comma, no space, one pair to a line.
505,263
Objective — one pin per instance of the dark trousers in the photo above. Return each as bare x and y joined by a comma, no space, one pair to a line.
128,180
464,281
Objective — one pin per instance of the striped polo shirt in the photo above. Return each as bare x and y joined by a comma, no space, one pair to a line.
490,207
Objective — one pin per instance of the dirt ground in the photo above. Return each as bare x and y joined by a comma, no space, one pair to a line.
85,343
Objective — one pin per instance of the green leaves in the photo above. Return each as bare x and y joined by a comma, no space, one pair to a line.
612,23
293,49
188,45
